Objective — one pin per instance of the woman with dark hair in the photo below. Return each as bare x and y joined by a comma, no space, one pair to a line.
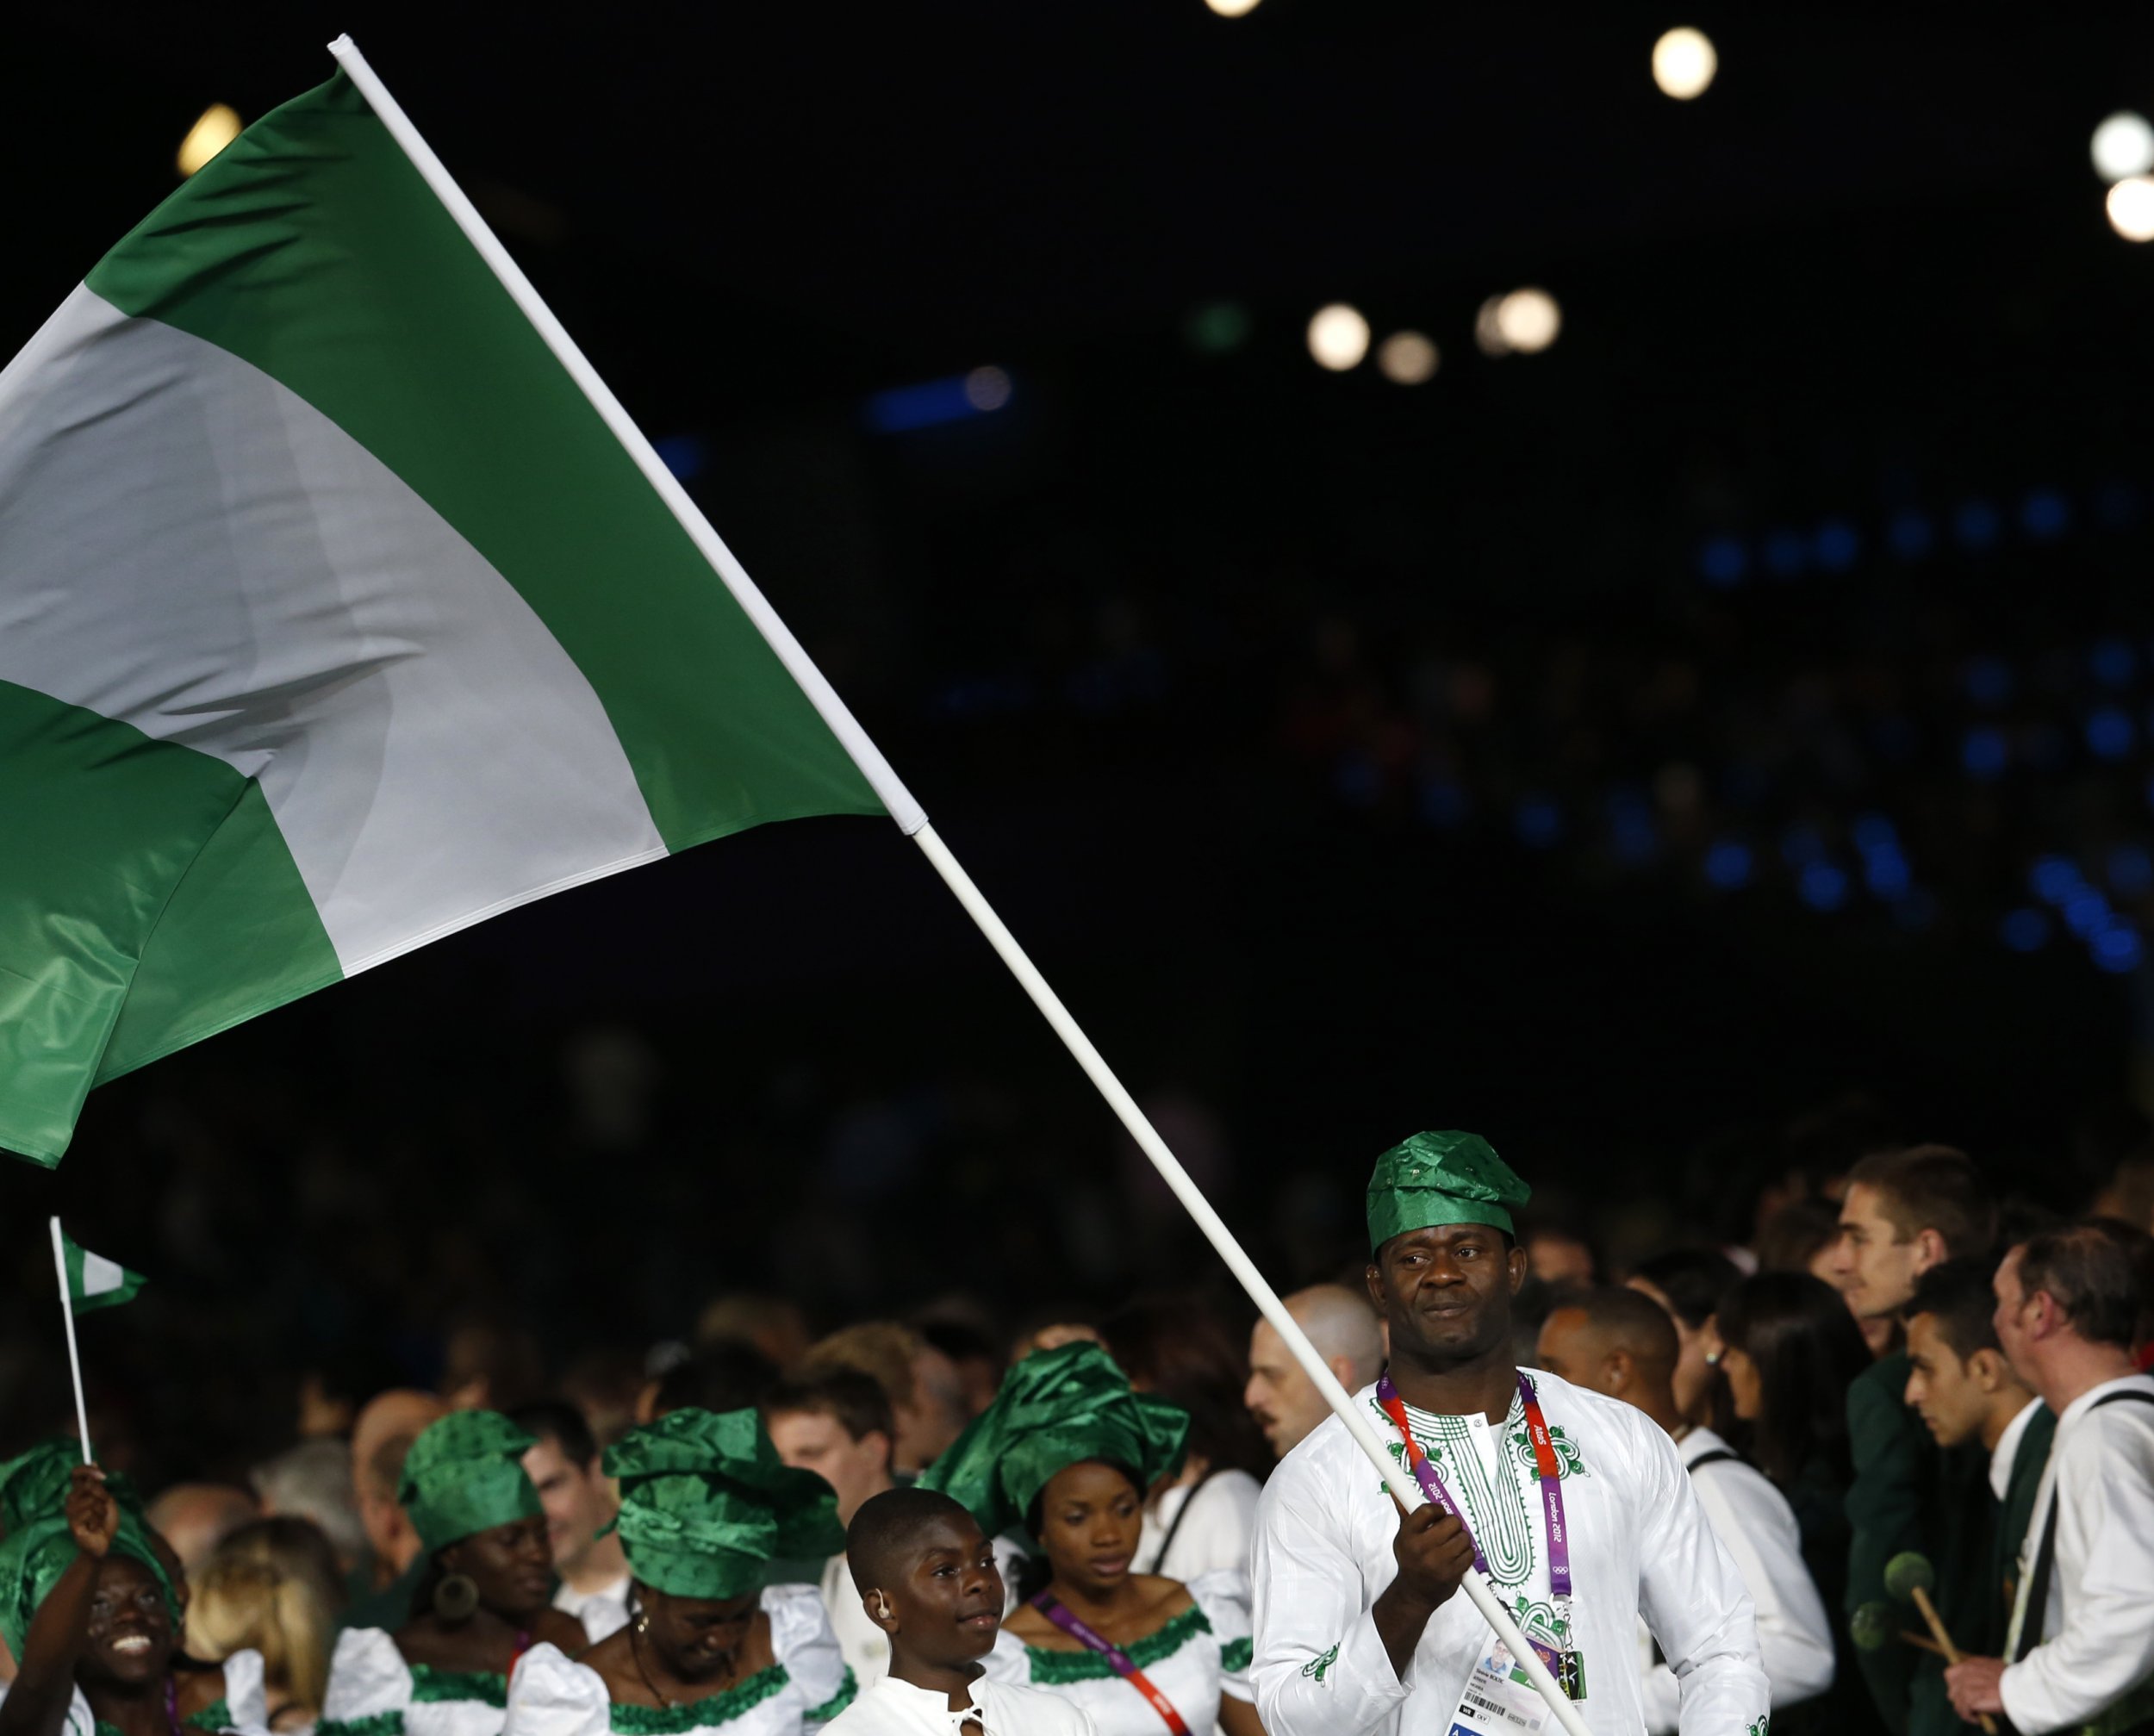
1790,1350
1687,1282
1200,1519
712,1520
485,1598
1067,1449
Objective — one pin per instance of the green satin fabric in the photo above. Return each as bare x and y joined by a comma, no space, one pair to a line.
1441,1178
36,1482
35,1554
466,1475
1056,1409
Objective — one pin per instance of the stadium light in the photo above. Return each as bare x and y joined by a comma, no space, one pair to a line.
2123,145
218,127
1683,63
1528,321
1407,358
1338,336
2131,204
1233,9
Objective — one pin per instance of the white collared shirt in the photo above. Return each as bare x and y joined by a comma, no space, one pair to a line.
1757,1527
2007,1449
892,1707
2098,1644
1640,1543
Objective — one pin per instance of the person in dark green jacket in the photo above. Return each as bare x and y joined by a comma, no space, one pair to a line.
1965,1392
1905,1212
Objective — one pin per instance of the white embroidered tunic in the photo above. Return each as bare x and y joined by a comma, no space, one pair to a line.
1640,1545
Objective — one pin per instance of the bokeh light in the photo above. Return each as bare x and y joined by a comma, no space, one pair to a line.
1338,336
217,127
1683,63
2130,206
1407,358
2123,145
1528,321
987,388
1233,9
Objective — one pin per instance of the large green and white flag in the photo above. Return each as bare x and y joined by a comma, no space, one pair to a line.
93,1281
335,616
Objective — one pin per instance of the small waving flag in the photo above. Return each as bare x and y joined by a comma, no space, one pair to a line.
95,1282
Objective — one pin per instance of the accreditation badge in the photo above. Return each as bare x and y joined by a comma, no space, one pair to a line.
1500,1698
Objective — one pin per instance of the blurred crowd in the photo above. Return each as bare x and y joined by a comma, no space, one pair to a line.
1878,1362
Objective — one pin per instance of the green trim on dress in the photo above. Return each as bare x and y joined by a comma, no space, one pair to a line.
430,1686
848,1691
378,1724
1056,1669
1236,1655
707,1714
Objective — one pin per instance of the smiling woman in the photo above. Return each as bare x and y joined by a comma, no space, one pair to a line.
87,1605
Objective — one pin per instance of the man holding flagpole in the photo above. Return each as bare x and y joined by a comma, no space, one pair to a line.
1577,1509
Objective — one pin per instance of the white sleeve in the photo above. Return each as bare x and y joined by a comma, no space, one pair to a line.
1224,1599
549,1695
1692,1597
1320,1666
1757,1527
2105,1521
1215,1536
369,1682
801,1639
245,1696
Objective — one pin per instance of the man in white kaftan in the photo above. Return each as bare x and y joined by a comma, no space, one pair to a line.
1359,1628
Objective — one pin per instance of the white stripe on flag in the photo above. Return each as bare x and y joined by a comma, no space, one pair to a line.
100,1275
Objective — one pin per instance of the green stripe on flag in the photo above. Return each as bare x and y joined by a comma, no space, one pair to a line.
312,248
88,881
93,1281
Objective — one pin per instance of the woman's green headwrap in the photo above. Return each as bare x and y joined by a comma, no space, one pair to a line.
39,1546
464,1475
1057,1407
707,1503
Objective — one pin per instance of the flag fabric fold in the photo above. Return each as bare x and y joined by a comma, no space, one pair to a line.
332,619
93,1281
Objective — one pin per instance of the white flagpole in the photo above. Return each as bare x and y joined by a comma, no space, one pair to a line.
74,1356
912,819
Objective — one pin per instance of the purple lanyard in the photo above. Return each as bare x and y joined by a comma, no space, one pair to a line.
1549,1473
1117,1661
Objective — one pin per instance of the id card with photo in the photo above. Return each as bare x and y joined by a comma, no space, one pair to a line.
1500,1700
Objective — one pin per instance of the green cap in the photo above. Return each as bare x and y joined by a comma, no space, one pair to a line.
707,1504
1057,1408
464,1475
1441,1178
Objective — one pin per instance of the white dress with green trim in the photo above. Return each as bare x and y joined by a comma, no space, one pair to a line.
803,1689
373,1692
1193,1659
242,1708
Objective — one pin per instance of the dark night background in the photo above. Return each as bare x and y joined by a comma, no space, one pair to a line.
1353,757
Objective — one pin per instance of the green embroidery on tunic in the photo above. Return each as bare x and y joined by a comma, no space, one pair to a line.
1055,1668
380,1724
1316,1666
430,1685
706,1714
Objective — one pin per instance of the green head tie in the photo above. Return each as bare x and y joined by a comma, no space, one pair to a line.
35,1482
707,1504
1441,1178
464,1475
1056,1409
38,1548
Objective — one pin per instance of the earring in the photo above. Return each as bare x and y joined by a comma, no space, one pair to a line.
454,1599
642,1622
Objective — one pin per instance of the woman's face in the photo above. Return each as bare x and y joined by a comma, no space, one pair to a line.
130,1636
1090,1517
512,1566
1694,1375
1744,1385
695,1638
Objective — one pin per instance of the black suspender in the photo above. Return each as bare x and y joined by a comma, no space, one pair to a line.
1726,1455
2045,1554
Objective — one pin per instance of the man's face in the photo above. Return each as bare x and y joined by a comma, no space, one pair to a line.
947,1602
1571,1350
1446,1291
1869,1264
813,1440
1947,1391
574,1498
1284,1401
2010,1318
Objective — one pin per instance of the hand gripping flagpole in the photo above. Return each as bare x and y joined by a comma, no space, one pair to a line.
912,819
74,1356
